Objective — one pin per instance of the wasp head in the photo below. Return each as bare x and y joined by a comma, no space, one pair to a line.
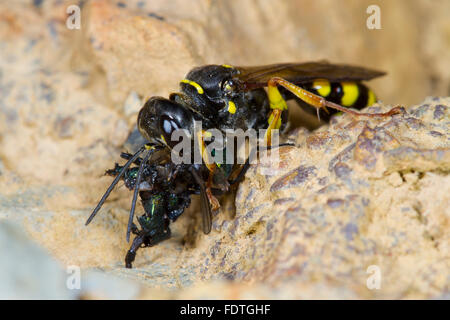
211,87
160,118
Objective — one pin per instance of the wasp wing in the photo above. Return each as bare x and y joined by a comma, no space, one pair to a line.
298,73
205,207
206,211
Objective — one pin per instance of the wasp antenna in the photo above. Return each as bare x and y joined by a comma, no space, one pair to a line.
136,190
113,184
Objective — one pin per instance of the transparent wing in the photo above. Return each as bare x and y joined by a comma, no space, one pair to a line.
205,207
298,73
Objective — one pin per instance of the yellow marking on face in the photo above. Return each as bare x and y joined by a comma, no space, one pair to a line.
149,147
275,98
231,107
351,93
163,139
194,84
322,87
227,66
371,98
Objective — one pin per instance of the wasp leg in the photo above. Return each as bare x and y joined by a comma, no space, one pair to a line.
212,199
277,102
274,123
201,135
211,167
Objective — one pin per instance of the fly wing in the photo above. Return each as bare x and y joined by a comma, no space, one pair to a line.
298,73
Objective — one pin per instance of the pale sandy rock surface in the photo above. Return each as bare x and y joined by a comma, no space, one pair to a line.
350,195
26,270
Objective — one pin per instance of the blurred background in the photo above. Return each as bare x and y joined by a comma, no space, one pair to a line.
71,87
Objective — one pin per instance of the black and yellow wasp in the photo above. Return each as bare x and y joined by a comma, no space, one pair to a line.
226,97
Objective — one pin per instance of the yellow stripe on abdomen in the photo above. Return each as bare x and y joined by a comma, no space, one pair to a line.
371,98
322,86
350,93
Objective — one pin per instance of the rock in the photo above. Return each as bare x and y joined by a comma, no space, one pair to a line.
100,285
351,197
359,217
26,270
132,104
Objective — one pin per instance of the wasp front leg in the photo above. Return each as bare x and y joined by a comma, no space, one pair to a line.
201,135
274,124
278,105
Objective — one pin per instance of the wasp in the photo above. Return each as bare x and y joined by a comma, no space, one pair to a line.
225,97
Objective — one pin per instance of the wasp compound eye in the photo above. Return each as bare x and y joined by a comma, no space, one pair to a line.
167,126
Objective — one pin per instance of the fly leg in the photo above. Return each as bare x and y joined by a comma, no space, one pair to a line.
131,254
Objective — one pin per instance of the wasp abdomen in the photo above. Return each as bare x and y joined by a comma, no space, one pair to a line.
346,93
